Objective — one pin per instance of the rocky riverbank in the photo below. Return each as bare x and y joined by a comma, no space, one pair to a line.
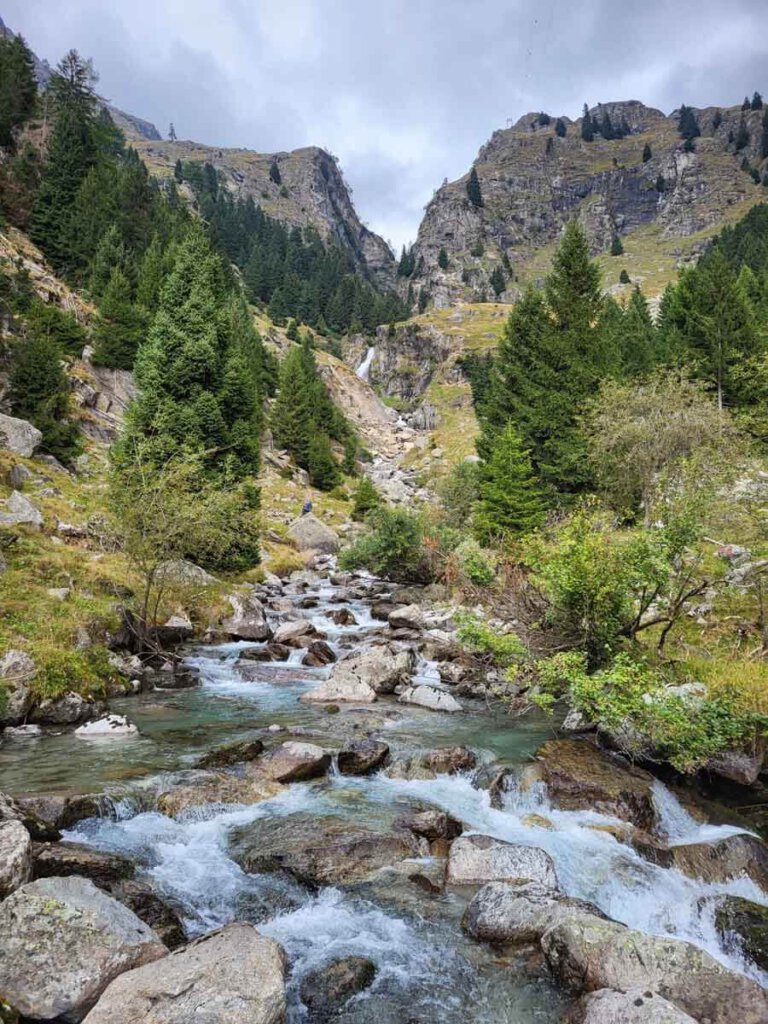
331,824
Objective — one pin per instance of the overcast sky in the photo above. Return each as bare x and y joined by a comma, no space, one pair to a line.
404,92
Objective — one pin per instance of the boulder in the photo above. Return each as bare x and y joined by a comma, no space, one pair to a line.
736,856
477,859
17,670
231,753
362,677
63,859
504,912
408,617
381,610
272,652
319,653
587,954
342,617
19,436
362,757
231,976
635,1006
15,857
21,512
248,620
108,726
291,633
180,572
64,940
310,534
325,991
65,710
743,926
441,761
432,824
197,788
18,476
295,762
740,766
54,811
580,777
429,697
153,909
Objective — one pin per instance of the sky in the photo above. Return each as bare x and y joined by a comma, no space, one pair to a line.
403,92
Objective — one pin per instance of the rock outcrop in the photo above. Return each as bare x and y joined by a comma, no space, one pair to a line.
477,859
15,857
310,534
19,436
362,677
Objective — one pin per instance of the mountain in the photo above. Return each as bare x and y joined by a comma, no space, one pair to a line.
533,179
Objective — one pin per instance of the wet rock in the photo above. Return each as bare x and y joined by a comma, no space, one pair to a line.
19,436
310,534
21,512
154,910
381,610
231,976
429,697
56,812
64,859
505,912
272,652
15,857
454,672
197,788
588,954
740,766
319,653
295,762
17,670
231,753
409,617
362,677
64,940
449,760
733,857
580,777
362,758
292,633
432,824
65,710
477,859
342,617
743,926
110,725
325,990
248,620
635,1006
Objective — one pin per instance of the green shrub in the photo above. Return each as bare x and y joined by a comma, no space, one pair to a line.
394,547
502,649
459,492
366,498
475,563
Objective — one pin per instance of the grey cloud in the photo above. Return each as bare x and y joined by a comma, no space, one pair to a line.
403,92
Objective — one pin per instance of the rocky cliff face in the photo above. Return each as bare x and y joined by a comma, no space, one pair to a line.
533,181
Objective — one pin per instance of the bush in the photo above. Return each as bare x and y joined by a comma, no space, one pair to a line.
459,492
475,563
366,499
395,547
502,649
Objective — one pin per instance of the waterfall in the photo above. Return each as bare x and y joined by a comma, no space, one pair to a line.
364,368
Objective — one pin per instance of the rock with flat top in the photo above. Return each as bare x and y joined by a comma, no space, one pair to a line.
429,697
362,757
295,762
19,436
507,912
248,620
325,991
21,512
408,617
635,1006
232,753
362,677
310,534
231,976
64,710
477,859
108,726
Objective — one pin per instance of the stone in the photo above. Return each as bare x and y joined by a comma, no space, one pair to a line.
292,633
272,652
381,610
319,654
248,620
736,856
295,762
153,909
743,926
740,766
477,859
504,912
19,475
56,811
231,753
580,777
342,617
64,941
231,976
363,757
21,512
409,617
17,670
181,572
15,857
432,824
109,726
63,859
310,534
429,697
362,677
22,732
587,954
198,788
325,991
635,1006
65,710
19,436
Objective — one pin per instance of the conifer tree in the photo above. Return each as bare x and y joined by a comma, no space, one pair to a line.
757,101
274,173
639,337
647,153
742,136
18,87
473,189
154,265
617,247
560,128
510,502
39,392
322,466
606,127
717,119
687,125
120,326
498,281
442,259
660,183
366,498
110,255
291,417
587,126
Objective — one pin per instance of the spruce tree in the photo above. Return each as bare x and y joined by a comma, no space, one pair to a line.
322,466
587,126
742,136
606,127
38,391
560,128
473,189
366,498
647,153
717,119
624,277
687,125
442,259
120,325
291,416
757,101
660,183
274,173
498,281
639,337
110,255
617,247
510,502
18,87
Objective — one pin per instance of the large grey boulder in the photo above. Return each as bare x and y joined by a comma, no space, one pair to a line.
57,860
429,697
476,859
15,857
362,677
64,940
362,757
65,710
309,534
294,762
505,912
587,954
409,617
180,572
325,991
248,620
636,1006
232,976
19,436
17,670
21,512
736,856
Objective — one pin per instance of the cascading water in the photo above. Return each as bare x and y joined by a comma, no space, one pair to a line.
364,368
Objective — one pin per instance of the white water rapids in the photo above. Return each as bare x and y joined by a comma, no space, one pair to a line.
364,368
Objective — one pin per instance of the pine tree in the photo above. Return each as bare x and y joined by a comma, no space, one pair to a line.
442,259
510,502
39,392
497,281
366,498
757,101
639,337
110,255
291,416
18,87
323,468
746,105
274,173
587,126
560,128
606,127
617,247
473,189
742,136
573,286
660,183
717,119
647,153
120,326
154,266
687,125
